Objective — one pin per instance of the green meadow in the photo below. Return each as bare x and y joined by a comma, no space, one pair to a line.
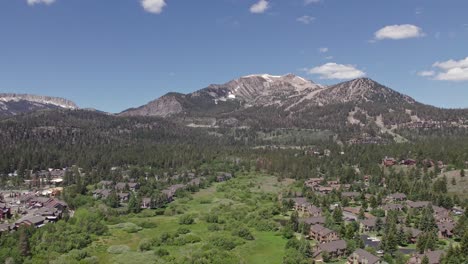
232,223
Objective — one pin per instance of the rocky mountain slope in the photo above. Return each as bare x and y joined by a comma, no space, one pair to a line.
362,106
13,104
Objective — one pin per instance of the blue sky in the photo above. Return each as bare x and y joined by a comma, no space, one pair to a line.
116,54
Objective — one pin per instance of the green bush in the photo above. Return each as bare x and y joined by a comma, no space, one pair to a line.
161,252
118,249
182,231
186,219
145,245
243,233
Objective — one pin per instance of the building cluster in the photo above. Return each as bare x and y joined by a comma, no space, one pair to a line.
329,240
124,190
32,210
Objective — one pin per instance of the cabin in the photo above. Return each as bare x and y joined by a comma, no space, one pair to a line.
223,176
4,228
350,195
319,220
34,221
445,230
433,256
392,207
360,256
417,205
123,197
5,211
370,225
396,197
415,233
106,184
145,203
101,193
336,249
322,234
388,162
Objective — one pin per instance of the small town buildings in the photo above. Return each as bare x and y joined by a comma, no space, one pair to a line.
223,176
322,234
335,249
445,230
130,186
123,197
396,197
101,193
4,228
312,182
34,221
350,195
360,256
417,205
388,162
145,203
304,208
370,224
5,211
433,256
313,220
392,207
415,233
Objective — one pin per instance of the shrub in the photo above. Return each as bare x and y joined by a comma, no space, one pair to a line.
243,233
118,249
186,219
223,243
212,218
161,252
183,231
145,245
214,227
128,227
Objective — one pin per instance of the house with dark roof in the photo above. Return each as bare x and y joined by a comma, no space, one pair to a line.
313,220
101,193
335,249
433,256
350,195
445,230
415,233
5,211
35,221
361,256
4,228
322,234
396,197
417,205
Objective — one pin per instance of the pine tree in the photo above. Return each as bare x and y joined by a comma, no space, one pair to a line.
133,205
23,242
425,260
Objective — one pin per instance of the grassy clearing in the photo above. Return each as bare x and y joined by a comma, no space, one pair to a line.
461,183
246,194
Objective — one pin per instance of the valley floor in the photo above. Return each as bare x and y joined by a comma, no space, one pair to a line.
249,194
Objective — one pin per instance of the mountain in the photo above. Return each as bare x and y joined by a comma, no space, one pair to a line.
356,108
13,104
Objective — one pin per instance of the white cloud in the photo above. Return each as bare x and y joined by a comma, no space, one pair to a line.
323,50
34,2
308,2
399,32
450,64
426,73
259,7
153,6
451,70
333,70
305,19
